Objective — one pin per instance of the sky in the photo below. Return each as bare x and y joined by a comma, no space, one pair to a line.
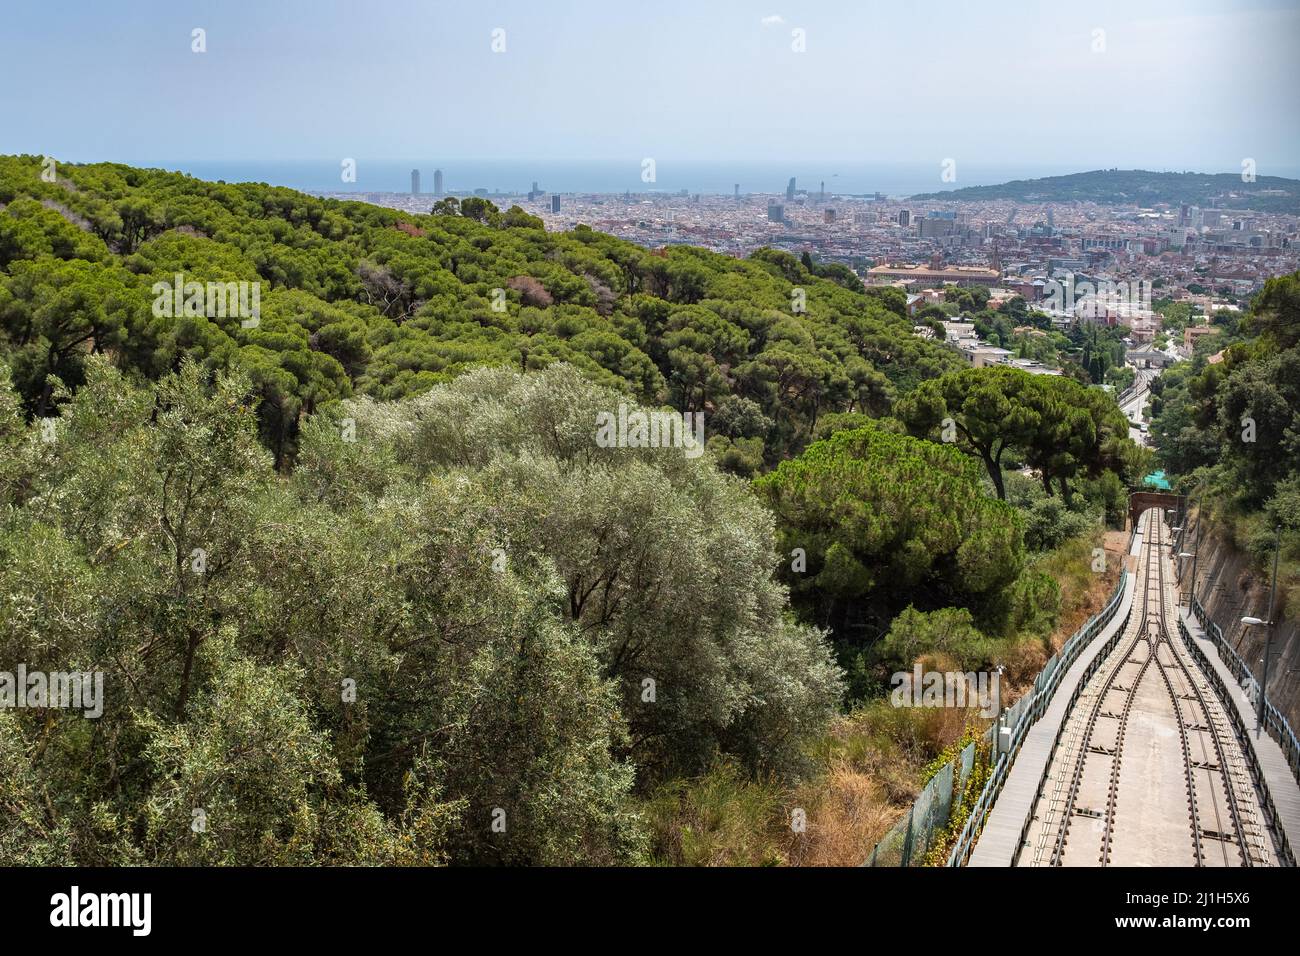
1165,84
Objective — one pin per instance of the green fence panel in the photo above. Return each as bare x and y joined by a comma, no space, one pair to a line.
965,764
936,815
890,850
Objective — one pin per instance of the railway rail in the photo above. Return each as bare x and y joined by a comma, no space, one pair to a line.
1147,769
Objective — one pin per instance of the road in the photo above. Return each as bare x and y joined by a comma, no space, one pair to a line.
1134,403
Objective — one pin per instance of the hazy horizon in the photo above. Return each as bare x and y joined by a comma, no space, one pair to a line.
744,82
515,176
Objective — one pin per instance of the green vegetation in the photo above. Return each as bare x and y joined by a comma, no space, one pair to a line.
871,763
1231,430
883,519
364,588
1097,349
1175,316
1087,352
1051,423
454,613
899,548
963,802
364,300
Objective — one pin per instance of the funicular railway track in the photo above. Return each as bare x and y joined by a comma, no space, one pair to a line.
1147,769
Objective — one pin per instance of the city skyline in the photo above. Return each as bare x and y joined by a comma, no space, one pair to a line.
512,178
592,435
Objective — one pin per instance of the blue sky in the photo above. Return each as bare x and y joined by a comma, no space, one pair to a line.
1179,84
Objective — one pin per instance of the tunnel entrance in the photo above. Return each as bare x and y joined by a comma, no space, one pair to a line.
1140,501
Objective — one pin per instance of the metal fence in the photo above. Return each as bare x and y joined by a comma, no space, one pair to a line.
1239,729
1012,726
913,836
1274,722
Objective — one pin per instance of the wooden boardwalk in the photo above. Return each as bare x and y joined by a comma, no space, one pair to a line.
1281,783
1000,840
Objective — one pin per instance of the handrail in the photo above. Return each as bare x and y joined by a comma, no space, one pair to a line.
1243,738
1274,722
1092,668
1055,669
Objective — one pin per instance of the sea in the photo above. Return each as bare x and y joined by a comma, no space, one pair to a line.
515,177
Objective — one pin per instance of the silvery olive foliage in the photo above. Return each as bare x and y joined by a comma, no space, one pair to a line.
662,563
446,610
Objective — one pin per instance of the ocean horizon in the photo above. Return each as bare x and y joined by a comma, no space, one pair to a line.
514,177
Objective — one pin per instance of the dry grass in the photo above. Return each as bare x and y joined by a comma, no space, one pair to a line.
847,810
870,764
868,767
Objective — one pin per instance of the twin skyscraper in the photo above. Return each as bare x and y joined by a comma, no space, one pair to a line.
437,182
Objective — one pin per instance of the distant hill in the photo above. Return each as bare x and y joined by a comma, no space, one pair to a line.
1144,188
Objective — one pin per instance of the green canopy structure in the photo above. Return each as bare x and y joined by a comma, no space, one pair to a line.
1158,480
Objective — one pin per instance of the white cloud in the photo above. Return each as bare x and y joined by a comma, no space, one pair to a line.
774,20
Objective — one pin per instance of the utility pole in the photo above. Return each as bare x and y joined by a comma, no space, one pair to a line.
1270,624
1182,556
1191,604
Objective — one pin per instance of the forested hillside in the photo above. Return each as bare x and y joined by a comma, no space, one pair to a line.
364,586
1230,428
1143,188
363,300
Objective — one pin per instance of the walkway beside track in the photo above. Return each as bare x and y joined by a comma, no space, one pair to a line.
1000,839
1281,783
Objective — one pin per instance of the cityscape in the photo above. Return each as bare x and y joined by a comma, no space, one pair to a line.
454,454
1208,259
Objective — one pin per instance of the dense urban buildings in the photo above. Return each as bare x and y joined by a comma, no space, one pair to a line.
1207,257
1075,262
933,274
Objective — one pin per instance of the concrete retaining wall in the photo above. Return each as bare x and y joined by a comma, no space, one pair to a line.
1230,589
